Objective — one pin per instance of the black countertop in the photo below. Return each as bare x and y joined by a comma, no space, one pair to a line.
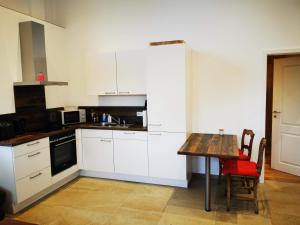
28,137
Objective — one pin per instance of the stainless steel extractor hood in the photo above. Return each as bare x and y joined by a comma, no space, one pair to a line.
33,55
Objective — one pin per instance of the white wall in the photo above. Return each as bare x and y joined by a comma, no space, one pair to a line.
228,38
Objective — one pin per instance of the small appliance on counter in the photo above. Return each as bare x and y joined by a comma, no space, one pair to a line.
73,117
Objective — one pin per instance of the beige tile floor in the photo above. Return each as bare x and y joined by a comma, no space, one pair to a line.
89,201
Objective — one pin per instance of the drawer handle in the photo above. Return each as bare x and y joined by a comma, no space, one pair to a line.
124,92
155,134
105,140
129,133
110,93
155,125
39,174
29,156
35,143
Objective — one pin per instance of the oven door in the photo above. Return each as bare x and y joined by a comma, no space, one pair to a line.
63,155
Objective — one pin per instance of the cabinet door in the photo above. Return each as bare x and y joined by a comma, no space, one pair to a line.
10,59
164,162
166,85
131,157
101,74
56,96
131,72
98,154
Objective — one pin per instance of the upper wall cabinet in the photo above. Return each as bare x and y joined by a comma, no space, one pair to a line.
120,73
10,61
102,74
56,96
131,72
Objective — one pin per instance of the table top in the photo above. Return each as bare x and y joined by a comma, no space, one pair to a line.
214,145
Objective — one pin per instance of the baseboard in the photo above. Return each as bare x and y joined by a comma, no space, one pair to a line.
134,178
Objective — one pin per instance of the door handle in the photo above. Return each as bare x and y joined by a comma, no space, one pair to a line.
275,111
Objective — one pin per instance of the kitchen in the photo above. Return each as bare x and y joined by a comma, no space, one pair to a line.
75,59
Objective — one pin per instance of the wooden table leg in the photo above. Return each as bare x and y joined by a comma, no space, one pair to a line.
207,184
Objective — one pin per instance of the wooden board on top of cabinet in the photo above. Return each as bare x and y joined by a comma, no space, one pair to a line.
101,74
131,72
167,88
164,162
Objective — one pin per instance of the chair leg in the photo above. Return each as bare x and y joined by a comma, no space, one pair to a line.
228,184
248,185
255,184
220,171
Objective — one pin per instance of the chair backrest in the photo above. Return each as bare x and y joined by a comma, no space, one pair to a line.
262,147
249,145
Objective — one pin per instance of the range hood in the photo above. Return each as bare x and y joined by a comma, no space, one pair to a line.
33,55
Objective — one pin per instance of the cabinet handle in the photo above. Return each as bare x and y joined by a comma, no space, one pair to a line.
124,92
129,133
105,140
39,174
155,124
155,134
110,93
29,156
35,143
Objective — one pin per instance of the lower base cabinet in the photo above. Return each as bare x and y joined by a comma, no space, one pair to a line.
98,154
33,184
130,153
164,162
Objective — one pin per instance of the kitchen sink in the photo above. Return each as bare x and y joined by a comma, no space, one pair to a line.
113,125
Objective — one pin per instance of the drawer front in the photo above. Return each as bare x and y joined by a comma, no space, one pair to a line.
90,133
31,162
137,135
32,184
31,146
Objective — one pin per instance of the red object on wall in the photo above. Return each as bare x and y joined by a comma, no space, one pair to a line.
40,76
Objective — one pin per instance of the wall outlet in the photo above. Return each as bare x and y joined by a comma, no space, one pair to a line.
139,113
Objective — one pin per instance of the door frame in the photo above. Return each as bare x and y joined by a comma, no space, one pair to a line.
270,56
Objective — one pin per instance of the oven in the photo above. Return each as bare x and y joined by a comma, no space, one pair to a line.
62,151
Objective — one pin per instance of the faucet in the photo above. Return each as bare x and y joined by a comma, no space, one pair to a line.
118,120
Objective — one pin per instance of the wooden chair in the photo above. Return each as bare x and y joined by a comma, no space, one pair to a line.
244,170
244,147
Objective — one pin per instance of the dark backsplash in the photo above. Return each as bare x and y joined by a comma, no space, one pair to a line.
127,113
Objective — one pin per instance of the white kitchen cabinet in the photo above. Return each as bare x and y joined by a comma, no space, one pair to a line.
55,44
130,152
10,59
167,88
79,148
25,170
117,73
164,162
32,184
98,150
131,72
102,74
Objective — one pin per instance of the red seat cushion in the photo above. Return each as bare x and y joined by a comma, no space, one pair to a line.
242,156
239,167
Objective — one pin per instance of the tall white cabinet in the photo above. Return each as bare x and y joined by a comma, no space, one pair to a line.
168,109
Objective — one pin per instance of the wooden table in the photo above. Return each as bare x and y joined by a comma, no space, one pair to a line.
210,145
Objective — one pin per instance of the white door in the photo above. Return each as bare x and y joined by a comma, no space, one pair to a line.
101,74
98,154
164,162
166,88
286,116
131,72
131,157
